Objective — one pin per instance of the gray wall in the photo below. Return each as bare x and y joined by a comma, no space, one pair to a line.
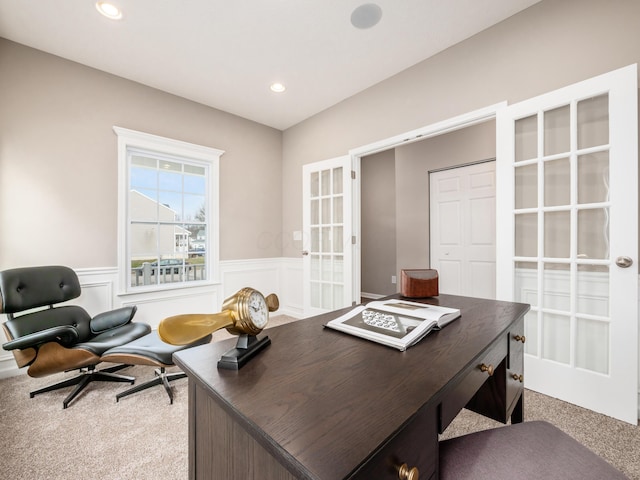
550,45
378,217
58,162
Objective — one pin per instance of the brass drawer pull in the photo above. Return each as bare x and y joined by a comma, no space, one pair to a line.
487,368
406,473
519,338
517,377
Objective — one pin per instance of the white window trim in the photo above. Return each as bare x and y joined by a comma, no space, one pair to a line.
133,139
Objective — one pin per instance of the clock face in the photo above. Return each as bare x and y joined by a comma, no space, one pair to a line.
258,310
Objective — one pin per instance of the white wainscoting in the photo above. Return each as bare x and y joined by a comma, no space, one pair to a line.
282,276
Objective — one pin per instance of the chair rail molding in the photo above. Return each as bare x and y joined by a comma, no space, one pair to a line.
282,276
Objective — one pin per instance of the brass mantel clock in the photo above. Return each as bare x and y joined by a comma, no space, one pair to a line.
245,314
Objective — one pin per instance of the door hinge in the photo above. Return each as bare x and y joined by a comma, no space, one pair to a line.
353,174
353,239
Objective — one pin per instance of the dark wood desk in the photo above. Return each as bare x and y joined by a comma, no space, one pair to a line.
320,404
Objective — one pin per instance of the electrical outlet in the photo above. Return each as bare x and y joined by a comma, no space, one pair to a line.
393,279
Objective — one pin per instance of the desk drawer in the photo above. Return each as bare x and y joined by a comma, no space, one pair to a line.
415,445
471,381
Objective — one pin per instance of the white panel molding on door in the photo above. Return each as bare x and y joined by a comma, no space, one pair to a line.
462,229
567,210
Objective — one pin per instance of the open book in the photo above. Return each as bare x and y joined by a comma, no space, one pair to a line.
395,323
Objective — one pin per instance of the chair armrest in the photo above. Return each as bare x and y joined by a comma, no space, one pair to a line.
65,335
115,318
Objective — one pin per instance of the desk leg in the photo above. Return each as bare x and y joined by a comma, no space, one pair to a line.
192,429
517,416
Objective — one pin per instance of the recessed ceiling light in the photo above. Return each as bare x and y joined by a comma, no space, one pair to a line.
109,10
366,16
277,87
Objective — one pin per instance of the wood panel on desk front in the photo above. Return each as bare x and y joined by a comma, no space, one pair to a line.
232,452
324,403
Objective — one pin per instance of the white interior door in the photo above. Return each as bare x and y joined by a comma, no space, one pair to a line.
568,239
462,221
327,245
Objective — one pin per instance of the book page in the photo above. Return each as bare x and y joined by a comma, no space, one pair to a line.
396,323
384,322
413,309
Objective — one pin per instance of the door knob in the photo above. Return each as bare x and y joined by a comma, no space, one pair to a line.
305,253
624,262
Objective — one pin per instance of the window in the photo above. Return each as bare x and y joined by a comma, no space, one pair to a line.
168,212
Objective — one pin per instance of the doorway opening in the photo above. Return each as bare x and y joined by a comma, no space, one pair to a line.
393,206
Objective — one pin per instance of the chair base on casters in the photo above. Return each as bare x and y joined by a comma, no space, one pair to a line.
162,377
84,379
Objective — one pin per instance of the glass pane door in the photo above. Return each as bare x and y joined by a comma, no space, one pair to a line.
562,231
327,248
567,221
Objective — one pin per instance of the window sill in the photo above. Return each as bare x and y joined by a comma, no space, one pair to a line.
169,288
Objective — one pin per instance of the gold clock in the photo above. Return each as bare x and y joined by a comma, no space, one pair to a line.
246,312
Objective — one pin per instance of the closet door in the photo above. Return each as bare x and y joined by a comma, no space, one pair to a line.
462,225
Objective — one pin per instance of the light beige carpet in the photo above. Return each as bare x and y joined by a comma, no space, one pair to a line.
144,437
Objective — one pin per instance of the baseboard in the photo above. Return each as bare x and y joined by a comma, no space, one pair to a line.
8,367
371,296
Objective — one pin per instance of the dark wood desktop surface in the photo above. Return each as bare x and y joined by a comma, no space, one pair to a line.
323,402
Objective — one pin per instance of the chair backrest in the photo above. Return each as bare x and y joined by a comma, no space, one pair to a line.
31,287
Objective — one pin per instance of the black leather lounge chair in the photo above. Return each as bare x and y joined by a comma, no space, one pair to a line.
58,339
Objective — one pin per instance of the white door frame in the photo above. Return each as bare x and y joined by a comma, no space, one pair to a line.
435,129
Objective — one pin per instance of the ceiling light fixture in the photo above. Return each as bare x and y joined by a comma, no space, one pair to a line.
109,10
277,87
366,16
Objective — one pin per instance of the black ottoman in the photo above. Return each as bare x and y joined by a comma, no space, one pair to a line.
150,350
530,451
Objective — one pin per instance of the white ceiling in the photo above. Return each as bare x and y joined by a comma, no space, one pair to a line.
225,54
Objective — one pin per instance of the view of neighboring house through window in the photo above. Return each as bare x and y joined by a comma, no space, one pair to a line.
168,212
168,219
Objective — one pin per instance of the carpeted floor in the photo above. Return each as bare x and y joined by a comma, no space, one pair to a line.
144,437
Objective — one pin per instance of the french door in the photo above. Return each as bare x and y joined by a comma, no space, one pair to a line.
567,239
327,238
